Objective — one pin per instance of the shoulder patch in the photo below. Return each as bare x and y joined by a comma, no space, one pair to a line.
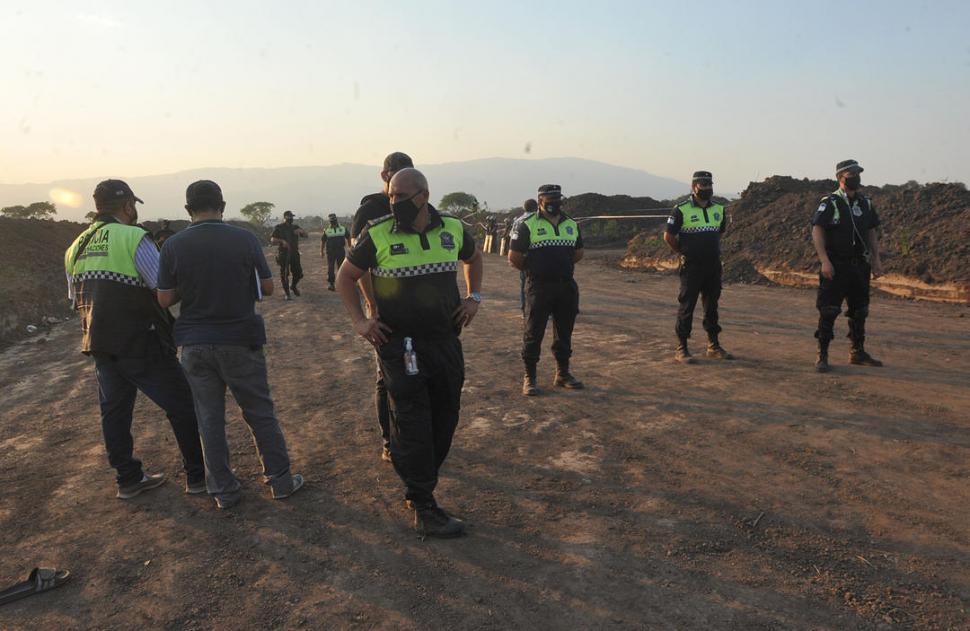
381,219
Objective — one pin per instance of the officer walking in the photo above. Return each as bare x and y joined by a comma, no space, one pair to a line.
112,270
413,259
547,245
694,231
847,243
372,207
287,236
335,238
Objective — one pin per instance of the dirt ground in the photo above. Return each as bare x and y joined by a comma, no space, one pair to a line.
634,504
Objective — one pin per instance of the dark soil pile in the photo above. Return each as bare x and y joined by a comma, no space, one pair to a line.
925,230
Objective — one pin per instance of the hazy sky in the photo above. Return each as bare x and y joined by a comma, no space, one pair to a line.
745,89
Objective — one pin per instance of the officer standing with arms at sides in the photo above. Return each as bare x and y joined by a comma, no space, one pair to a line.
694,231
547,245
413,257
212,269
847,243
335,238
287,236
372,207
112,270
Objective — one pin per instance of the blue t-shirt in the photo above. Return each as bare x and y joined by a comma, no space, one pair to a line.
214,267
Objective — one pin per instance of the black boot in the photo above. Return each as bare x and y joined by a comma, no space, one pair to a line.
564,379
682,354
715,350
822,362
431,521
529,386
860,357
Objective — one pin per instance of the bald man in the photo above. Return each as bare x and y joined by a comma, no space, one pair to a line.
412,257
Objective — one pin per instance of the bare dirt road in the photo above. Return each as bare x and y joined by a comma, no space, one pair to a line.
631,505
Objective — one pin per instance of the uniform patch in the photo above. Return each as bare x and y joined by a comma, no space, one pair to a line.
717,216
856,211
821,208
447,241
569,229
515,235
399,248
671,220
694,218
541,231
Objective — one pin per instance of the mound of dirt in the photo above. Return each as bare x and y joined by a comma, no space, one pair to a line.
33,290
925,239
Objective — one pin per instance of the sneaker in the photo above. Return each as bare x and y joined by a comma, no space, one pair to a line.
195,488
225,503
435,522
297,485
149,481
385,454
296,292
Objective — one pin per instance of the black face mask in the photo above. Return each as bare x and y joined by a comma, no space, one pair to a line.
853,182
705,194
333,222
288,220
405,212
553,208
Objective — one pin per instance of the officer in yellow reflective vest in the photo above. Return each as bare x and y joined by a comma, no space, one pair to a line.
694,231
335,238
112,270
547,245
413,256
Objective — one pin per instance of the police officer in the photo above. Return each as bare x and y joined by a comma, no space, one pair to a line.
287,236
694,231
112,270
376,206
413,258
529,206
547,245
335,238
845,238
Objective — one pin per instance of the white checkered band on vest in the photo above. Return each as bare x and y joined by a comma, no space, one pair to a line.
417,270
552,243
701,229
112,276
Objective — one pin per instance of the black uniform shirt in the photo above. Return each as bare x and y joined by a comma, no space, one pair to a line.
415,306
288,232
846,232
701,247
548,263
373,206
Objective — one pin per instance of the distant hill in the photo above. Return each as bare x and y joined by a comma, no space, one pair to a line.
316,190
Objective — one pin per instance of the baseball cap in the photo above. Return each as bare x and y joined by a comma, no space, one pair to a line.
110,190
288,213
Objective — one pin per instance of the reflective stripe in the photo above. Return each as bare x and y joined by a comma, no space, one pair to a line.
701,229
417,270
553,242
113,276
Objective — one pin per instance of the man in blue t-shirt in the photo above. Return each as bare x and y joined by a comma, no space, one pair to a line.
218,272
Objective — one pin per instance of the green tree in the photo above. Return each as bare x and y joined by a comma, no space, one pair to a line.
257,213
458,203
90,215
37,210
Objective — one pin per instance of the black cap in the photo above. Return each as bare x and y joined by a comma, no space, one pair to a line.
550,189
702,176
110,190
848,165
203,193
332,216
288,213
396,161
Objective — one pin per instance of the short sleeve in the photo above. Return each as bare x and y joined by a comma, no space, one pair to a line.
521,238
579,238
675,221
166,267
467,246
823,214
364,253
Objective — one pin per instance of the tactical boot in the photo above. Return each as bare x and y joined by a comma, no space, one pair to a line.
431,521
529,386
860,357
822,362
565,380
682,354
715,350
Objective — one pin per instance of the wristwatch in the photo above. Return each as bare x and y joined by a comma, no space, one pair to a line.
477,297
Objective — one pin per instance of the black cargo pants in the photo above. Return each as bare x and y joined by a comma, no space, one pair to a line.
558,298
850,283
698,279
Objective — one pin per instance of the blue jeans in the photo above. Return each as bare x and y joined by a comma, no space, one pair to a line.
161,379
210,369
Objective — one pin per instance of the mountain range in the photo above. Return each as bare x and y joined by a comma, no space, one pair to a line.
318,190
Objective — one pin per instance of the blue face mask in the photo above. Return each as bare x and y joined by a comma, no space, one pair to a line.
553,208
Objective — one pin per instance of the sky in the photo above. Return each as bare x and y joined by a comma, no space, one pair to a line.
743,88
